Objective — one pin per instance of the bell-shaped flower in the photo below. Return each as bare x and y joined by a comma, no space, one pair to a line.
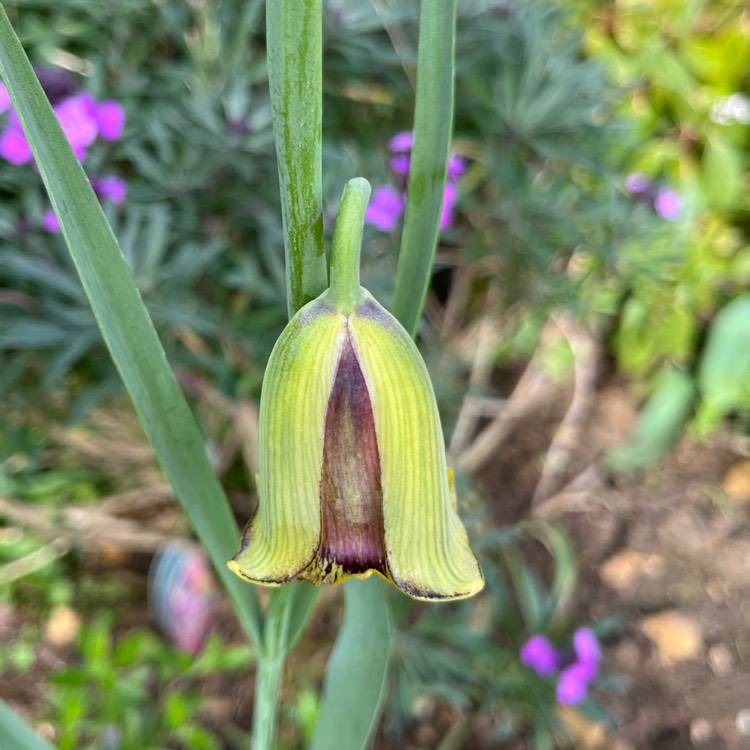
353,477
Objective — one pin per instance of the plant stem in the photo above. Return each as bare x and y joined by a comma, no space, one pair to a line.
271,668
433,123
345,291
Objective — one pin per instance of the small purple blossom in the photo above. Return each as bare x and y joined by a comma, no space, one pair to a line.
110,117
636,182
400,164
539,654
401,142
385,209
574,675
50,222
586,647
668,203
14,146
573,684
448,216
663,199
456,167
114,189
77,116
83,120
5,102
388,204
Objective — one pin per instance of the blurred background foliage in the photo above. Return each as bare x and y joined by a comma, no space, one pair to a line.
558,105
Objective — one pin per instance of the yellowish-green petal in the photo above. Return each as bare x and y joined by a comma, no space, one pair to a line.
283,537
427,547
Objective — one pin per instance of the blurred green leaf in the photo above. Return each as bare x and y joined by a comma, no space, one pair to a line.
659,424
15,734
724,372
722,172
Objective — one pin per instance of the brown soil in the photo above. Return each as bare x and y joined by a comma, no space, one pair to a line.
668,551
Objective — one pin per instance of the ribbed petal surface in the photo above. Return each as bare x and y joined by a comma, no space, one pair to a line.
427,548
283,536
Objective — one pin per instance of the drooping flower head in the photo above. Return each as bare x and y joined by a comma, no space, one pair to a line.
353,478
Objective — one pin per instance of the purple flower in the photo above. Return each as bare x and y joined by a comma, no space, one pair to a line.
668,203
539,654
401,142
77,116
5,102
385,209
456,167
110,117
448,216
587,649
14,146
400,164
113,188
573,684
50,221
388,204
636,182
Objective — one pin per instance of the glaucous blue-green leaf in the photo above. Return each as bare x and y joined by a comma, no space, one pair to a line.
16,734
125,324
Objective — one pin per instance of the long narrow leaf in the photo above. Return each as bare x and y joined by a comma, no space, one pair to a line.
16,734
355,679
126,326
294,42
433,123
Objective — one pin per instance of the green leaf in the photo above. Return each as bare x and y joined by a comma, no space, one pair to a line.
126,326
724,373
294,33
659,424
16,734
722,172
433,123
355,680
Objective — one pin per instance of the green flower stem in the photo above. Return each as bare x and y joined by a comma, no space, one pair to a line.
433,123
271,668
345,291
294,42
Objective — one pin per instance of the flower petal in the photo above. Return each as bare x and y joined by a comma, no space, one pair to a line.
279,542
351,496
427,547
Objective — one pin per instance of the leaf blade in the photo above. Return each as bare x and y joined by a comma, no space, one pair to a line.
125,325
16,734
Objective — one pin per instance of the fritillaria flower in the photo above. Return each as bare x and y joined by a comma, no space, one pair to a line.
353,478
